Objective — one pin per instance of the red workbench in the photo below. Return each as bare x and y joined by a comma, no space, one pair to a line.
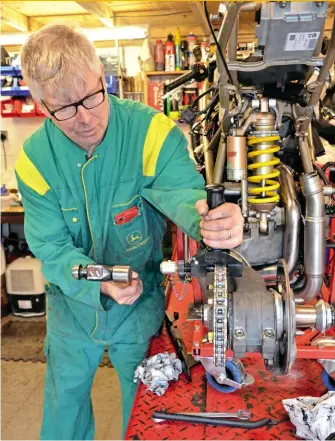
263,399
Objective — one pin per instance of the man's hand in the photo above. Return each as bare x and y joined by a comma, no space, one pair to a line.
221,227
123,293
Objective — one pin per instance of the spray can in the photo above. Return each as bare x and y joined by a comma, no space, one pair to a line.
178,50
191,42
169,54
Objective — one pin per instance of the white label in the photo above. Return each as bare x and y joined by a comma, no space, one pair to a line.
301,41
25,304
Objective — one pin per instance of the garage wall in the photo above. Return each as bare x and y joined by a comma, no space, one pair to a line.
19,129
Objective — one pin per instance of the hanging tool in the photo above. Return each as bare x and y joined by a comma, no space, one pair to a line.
240,414
159,417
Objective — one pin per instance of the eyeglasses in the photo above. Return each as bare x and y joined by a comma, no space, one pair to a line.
89,102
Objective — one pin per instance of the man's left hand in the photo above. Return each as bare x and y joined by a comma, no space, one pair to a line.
221,227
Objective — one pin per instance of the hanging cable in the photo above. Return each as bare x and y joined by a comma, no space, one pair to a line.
217,43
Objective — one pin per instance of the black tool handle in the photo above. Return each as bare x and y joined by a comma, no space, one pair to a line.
185,78
215,195
213,421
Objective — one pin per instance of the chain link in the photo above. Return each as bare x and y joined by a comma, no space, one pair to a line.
174,289
220,312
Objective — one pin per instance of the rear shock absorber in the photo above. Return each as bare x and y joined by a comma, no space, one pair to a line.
264,196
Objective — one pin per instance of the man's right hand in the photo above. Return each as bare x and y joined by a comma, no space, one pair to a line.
123,293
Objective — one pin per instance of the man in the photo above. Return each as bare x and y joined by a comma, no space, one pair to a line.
97,180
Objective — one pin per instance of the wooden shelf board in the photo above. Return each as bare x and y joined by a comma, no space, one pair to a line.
175,72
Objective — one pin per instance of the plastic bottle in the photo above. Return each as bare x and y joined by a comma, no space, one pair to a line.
184,56
178,50
191,42
159,56
169,54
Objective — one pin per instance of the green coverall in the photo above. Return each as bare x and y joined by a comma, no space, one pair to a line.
70,204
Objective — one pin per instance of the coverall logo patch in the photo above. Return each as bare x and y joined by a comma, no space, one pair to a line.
134,237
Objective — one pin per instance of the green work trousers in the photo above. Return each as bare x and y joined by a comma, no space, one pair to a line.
71,367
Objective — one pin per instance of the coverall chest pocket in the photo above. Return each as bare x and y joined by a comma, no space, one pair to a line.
131,226
72,221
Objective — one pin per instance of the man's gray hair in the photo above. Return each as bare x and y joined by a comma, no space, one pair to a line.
55,60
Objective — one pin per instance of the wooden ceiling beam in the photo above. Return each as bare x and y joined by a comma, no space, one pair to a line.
200,15
99,10
14,18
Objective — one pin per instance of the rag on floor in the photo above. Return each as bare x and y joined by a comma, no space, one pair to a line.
314,418
156,372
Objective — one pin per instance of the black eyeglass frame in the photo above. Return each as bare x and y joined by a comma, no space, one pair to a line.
77,104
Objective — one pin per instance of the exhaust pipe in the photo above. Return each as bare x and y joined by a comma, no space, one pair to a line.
314,240
292,217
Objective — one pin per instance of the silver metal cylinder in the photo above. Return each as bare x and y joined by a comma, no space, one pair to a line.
305,316
324,316
315,236
122,273
292,217
168,267
263,222
305,155
319,316
328,190
244,197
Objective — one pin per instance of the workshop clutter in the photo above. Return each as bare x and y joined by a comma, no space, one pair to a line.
25,287
313,417
20,107
174,104
177,54
156,372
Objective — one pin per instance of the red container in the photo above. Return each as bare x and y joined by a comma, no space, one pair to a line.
155,93
170,54
27,110
10,108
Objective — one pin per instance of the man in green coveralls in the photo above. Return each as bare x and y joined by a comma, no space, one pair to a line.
97,159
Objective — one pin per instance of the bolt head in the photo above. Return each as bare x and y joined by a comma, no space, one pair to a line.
269,333
239,334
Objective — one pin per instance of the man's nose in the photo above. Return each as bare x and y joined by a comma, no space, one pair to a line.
83,115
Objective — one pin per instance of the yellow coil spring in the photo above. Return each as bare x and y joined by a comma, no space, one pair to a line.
271,186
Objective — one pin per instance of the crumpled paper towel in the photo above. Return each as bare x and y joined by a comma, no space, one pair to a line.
314,418
156,372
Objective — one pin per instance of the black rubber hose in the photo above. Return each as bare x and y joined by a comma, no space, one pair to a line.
321,173
213,421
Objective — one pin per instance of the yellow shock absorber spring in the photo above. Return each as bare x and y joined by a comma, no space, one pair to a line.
271,186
